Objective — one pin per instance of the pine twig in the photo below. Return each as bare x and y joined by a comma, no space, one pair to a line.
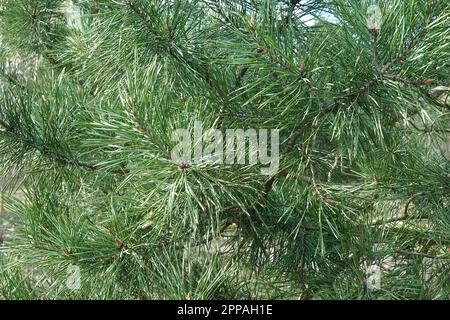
404,214
48,153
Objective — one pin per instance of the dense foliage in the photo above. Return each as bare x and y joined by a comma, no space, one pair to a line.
92,90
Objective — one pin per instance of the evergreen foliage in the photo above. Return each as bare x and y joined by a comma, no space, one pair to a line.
88,105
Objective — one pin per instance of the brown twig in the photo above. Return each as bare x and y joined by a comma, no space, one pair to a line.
404,214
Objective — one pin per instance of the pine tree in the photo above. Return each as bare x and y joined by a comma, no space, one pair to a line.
92,91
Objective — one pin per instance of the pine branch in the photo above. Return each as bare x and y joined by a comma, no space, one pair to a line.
252,34
421,86
404,53
405,216
353,96
241,74
308,230
348,100
47,152
200,72
140,127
